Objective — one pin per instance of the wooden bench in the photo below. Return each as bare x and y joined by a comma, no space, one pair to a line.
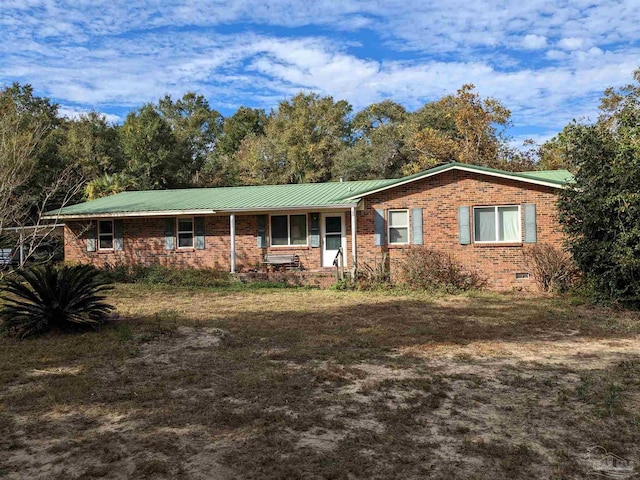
285,260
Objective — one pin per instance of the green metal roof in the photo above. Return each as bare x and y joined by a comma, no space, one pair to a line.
264,197
270,197
558,176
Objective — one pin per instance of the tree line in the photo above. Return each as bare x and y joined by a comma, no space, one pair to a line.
185,142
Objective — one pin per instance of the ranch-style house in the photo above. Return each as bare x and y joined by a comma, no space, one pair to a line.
485,218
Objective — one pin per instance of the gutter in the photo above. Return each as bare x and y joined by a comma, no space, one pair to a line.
174,213
156,213
31,227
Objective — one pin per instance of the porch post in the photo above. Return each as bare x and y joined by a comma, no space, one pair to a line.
354,248
21,248
232,220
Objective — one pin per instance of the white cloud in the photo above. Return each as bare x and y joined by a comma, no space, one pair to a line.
571,43
556,55
122,53
73,113
534,42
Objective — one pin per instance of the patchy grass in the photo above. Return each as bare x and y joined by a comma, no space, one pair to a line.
290,383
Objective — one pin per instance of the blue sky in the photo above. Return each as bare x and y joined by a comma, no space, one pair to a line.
547,61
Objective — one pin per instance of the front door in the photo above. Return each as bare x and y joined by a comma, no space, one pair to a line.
332,237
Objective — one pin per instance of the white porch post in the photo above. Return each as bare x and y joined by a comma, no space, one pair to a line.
233,242
354,231
21,248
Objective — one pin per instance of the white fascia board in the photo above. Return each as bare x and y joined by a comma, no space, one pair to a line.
172,213
341,206
161,213
32,227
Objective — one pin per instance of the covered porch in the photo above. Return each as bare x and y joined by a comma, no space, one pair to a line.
324,239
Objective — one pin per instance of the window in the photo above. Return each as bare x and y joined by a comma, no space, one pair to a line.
287,230
105,235
399,227
185,233
497,224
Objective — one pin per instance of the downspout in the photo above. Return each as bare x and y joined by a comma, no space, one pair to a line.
232,220
354,248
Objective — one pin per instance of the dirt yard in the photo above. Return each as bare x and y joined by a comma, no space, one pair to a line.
292,384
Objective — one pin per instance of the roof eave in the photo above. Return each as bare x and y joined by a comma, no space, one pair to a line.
157,213
173,213
466,169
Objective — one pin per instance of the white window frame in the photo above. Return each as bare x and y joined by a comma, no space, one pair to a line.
111,235
497,224
288,215
192,231
407,226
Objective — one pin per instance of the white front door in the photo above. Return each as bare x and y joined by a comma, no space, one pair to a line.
332,237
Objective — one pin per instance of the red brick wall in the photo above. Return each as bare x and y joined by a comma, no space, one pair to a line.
144,244
439,197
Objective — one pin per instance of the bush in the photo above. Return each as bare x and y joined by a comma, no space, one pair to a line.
600,212
553,268
161,275
376,276
40,298
426,269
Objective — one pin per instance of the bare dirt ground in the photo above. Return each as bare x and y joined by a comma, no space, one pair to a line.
288,384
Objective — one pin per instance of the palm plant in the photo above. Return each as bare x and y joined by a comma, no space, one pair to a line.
40,298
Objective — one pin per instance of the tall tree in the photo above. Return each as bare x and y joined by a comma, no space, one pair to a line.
556,153
41,114
470,131
154,157
380,143
221,168
244,122
601,211
196,128
301,141
33,180
93,143
20,138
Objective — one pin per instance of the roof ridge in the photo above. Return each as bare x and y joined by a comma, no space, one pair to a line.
259,186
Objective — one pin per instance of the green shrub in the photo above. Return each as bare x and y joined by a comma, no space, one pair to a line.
426,269
162,275
40,298
553,268
600,212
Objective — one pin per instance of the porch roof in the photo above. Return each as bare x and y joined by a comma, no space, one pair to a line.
330,195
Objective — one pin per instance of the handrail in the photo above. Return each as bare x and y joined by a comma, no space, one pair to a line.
339,254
